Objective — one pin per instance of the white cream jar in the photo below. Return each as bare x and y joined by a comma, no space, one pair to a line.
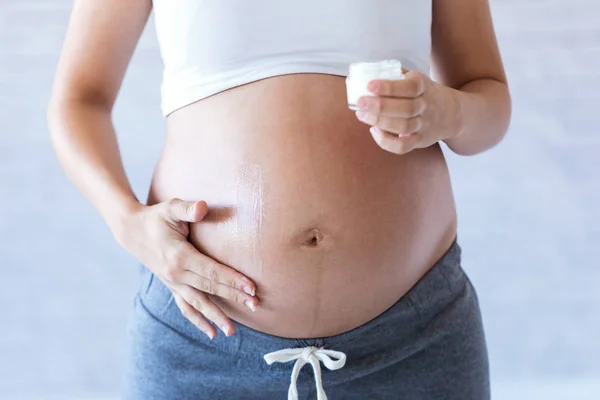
361,73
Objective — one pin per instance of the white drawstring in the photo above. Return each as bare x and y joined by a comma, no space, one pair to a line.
303,355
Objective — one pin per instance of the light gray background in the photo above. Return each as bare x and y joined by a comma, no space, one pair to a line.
529,213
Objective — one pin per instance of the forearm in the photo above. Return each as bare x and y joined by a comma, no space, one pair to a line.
484,109
86,145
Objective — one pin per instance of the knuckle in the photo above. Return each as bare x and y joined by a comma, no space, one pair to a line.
213,274
416,85
404,126
235,295
206,285
420,85
405,107
410,127
178,255
414,107
413,88
375,118
418,124
172,273
375,104
422,106
198,304
179,258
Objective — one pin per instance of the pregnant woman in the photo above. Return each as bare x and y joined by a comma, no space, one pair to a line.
282,228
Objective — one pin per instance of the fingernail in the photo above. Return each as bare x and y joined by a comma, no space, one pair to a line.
249,304
248,290
210,335
225,329
362,115
373,87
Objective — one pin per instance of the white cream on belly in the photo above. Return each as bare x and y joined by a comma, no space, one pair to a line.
249,217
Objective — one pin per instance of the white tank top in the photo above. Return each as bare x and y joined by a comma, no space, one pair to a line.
209,46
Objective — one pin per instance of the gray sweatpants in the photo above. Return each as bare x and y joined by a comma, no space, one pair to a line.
430,345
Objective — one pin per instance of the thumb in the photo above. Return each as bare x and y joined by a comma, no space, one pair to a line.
188,211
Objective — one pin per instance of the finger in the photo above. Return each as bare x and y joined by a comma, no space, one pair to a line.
400,126
201,303
209,286
190,259
390,106
394,144
413,85
194,316
188,211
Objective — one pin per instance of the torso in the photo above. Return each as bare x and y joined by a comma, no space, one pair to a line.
332,229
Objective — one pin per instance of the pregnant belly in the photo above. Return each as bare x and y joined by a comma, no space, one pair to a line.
332,229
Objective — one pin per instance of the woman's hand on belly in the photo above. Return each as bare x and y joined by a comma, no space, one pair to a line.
158,236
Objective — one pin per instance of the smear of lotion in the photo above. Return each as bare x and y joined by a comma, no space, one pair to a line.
249,215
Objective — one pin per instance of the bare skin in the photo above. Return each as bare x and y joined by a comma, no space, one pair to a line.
347,215
343,220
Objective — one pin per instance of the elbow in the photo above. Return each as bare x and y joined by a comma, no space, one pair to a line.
504,120
63,107
506,113
505,117
485,141
57,118
476,145
473,149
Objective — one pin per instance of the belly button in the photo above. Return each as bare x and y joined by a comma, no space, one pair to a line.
313,237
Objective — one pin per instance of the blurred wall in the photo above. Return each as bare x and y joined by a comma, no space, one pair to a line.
529,213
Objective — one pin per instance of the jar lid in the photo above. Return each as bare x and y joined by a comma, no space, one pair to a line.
386,67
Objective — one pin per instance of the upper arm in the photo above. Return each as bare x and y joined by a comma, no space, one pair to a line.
101,38
464,46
